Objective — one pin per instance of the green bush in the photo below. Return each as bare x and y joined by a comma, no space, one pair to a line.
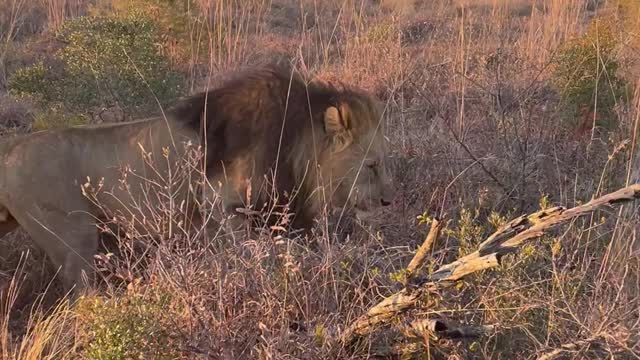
105,62
174,22
129,327
55,117
586,74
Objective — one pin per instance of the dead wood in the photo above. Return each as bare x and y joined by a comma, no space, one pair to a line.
507,239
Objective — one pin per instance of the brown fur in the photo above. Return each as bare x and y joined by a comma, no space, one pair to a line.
316,141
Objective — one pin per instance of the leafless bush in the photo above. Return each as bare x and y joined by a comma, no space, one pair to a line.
15,115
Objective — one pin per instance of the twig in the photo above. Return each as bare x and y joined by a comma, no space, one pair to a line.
479,161
505,240
424,249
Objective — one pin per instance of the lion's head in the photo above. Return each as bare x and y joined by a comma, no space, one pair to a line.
353,163
310,141
349,148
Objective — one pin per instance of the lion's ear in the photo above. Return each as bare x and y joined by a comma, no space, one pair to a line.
335,120
336,125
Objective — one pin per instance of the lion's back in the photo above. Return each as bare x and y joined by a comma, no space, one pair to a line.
32,160
51,156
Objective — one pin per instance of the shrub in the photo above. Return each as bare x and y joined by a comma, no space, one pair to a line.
29,81
129,327
105,62
172,19
55,117
586,74
15,114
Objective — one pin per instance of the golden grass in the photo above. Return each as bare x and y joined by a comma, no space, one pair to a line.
47,334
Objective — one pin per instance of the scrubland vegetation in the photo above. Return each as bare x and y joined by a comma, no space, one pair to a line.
496,108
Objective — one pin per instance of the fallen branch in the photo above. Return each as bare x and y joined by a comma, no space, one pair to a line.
399,302
571,347
507,239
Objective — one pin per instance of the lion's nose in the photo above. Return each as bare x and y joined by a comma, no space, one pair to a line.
385,202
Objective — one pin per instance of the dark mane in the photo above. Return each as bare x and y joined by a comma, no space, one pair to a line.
252,106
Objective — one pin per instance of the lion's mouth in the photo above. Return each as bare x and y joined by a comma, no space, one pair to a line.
363,209
363,204
363,214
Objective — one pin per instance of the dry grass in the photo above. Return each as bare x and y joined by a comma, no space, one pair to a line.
60,10
477,133
46,335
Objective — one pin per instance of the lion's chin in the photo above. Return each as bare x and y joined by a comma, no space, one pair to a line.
362,210
363,214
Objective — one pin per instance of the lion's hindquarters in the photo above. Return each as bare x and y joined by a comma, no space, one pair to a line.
40,192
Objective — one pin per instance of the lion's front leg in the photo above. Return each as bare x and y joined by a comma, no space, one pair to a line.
68,237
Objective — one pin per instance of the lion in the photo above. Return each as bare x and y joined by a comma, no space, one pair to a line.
266,135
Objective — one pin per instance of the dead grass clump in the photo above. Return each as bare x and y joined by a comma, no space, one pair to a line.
46,331
15,114
399,7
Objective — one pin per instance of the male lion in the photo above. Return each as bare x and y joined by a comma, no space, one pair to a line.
266,132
